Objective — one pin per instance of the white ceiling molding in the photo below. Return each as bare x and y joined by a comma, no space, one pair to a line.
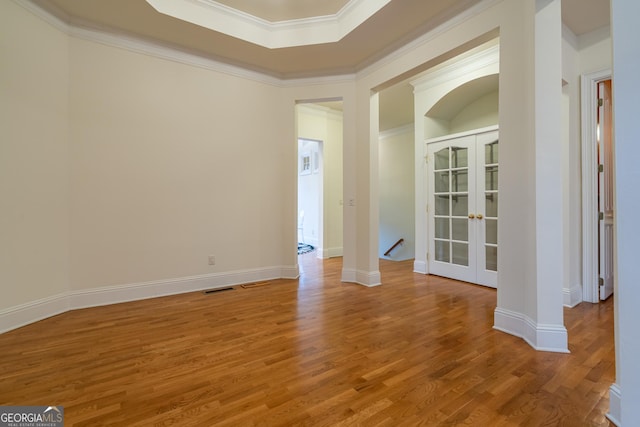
457,67
298,32
454,20
158,50
47,17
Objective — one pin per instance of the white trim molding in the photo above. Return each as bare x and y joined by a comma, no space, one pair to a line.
368,278
589,95
454,19
253,29
615,408
348,275
24,314
33,311
159,50
325,253
541,337
572,296
420,267
360,277
459,68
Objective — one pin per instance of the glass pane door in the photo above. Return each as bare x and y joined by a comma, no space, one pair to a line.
452,179
462,187
487,189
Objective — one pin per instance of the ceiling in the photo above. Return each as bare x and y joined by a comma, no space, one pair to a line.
396,23
286,10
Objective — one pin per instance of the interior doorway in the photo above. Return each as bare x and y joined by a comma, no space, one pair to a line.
605,191
598,170
310,200
319,202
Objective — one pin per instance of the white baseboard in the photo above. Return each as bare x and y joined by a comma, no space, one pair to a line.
33,311
615,399
539,336
368,278
572,296
15,317
290,272
348,275
420,267
325,253
364,278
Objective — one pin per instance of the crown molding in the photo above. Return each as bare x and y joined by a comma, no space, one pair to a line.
457,68
450,22
162,51
569,36
593,37
297,32
45,15
138,45
158,50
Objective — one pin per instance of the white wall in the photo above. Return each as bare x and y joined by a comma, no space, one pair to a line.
595,51
479,113
397,194
572,281
171,163
319,123
626,92
34,163
165,171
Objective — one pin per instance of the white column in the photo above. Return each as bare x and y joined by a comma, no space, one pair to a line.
349,187
625,394
550,189
362,205
530,241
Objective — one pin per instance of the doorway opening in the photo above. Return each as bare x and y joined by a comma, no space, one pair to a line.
310,191
458,181
396,173
319,178
597,187
605,190
455,96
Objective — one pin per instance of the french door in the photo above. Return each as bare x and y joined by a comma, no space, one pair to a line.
462,207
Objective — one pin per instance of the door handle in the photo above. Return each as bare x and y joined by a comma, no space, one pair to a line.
471,216
479,216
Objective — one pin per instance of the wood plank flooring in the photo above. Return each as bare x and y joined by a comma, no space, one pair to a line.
417,351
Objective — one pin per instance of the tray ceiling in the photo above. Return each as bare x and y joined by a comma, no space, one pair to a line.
395,24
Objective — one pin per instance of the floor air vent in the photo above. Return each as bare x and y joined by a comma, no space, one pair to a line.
213,291
254,285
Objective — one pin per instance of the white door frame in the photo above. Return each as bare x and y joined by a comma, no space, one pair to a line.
589,106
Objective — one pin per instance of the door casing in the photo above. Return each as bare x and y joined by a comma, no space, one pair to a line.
590,249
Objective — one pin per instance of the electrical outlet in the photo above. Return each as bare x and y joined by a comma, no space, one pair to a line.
212,260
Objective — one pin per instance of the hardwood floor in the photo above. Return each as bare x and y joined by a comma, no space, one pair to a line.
417,351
